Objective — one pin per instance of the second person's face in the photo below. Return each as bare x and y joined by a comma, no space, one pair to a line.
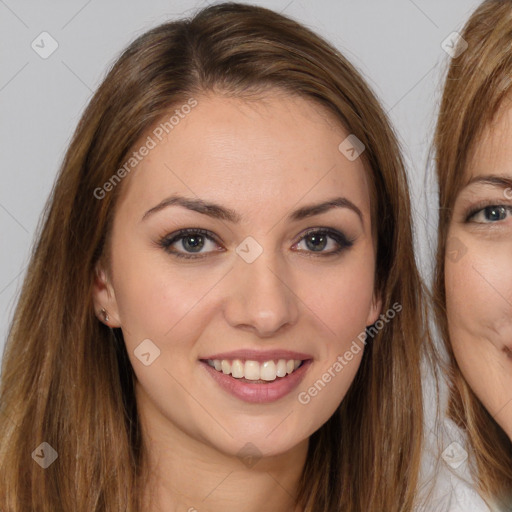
478,275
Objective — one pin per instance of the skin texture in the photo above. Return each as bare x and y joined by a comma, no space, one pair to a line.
479,271
262,158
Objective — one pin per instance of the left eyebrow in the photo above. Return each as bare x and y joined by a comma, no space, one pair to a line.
316,209
491,179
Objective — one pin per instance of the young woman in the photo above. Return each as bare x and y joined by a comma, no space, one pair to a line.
223,310
474,272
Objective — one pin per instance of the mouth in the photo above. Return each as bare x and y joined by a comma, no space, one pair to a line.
255,372
256,377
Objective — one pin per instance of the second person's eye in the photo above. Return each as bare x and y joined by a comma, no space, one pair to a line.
490,214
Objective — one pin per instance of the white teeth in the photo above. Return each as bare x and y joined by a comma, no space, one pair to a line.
237,369
253,370
281,368
226,366
268,370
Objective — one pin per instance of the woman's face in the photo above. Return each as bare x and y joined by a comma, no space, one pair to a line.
247,286
479,272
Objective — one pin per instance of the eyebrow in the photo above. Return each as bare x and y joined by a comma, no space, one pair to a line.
220,212
491,179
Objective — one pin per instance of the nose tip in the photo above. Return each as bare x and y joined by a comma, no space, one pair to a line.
265,325
259,300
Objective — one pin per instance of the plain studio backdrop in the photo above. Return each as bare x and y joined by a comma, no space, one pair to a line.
402,47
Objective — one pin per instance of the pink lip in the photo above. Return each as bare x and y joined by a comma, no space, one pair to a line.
258,393
258,355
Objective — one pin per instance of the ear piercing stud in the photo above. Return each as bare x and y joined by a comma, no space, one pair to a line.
105,314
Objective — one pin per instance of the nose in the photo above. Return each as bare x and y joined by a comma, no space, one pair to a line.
260,297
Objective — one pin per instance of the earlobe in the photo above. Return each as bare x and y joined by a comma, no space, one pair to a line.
375,309
104,300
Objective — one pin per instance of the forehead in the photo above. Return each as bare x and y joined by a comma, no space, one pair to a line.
492,151
248,154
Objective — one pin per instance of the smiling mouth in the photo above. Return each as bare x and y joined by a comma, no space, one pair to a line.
253,371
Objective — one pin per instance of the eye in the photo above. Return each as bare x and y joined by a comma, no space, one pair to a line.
189,243
317,240
490,214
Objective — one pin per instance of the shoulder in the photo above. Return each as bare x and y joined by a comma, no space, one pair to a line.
454,495
465,498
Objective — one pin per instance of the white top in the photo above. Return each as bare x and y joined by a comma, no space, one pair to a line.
446,483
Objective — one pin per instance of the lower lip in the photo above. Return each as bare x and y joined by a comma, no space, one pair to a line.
263,392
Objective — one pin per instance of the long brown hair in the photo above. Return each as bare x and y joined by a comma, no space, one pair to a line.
477,84
66,377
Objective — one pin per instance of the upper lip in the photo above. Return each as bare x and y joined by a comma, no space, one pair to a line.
259,355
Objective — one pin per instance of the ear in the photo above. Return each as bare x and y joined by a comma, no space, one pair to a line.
104,297
375,308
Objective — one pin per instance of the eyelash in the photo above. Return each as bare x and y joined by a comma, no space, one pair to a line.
167,241
482,206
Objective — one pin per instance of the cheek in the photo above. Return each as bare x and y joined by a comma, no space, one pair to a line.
479,293
339,294
156,300
336,306
344,303
340,307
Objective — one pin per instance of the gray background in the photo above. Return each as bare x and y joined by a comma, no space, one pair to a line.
395,43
